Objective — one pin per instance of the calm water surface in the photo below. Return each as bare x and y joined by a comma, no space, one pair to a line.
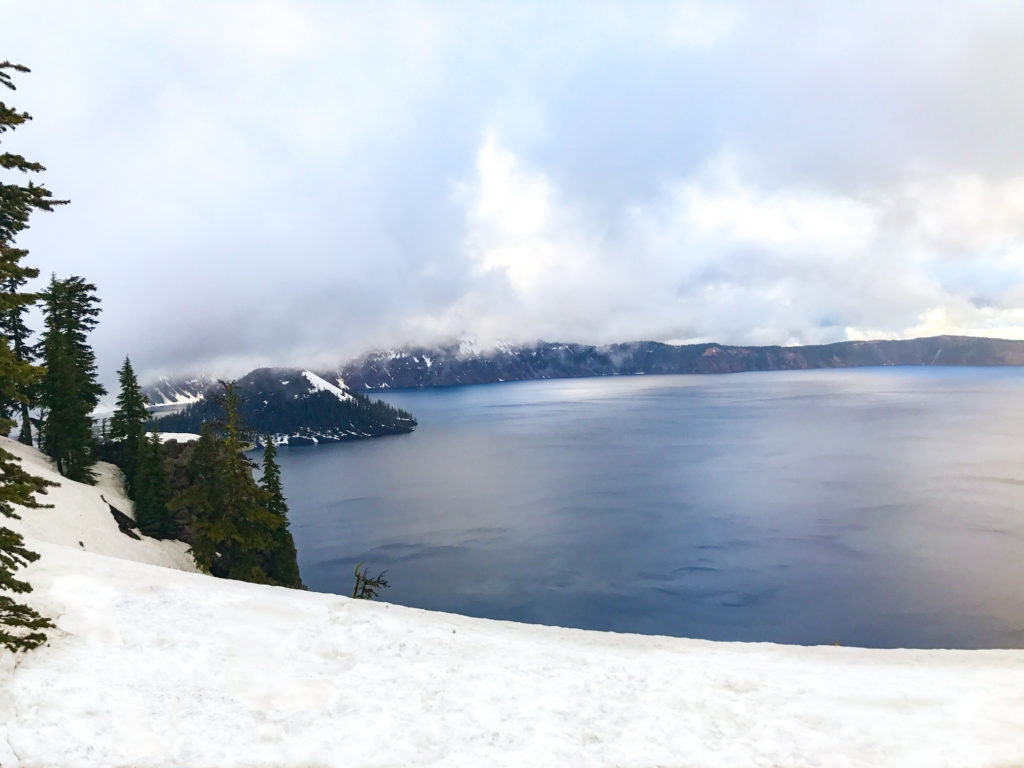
874,507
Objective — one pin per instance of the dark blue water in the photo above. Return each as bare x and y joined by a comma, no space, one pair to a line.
873,507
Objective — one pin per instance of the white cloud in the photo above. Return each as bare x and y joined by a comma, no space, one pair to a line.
718,209
272,181
700,24
516,224
714,256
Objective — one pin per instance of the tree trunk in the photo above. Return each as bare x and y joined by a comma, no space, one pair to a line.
25,435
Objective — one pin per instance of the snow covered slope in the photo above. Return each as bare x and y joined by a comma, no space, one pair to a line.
80,518
156,667
321,385
181,391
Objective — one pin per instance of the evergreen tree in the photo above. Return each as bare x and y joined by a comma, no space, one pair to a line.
231,528
153,489
21,628
128,424
18,201
17,375
201,498
69,391
13,327
282,560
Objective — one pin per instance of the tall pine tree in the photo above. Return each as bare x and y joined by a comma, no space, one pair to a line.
153,489
69,391
21,628
231,529
14,328
282,560
128,423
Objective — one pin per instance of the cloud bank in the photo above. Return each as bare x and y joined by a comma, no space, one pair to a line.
296,183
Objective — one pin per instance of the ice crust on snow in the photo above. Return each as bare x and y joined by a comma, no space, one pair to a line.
152,666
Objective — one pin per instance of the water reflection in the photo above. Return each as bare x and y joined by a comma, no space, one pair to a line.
876,507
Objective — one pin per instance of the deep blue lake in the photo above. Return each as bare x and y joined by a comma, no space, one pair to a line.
878,507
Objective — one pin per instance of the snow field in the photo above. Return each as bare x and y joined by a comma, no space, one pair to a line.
151,666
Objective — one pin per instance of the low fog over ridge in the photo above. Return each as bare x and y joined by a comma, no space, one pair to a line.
299,183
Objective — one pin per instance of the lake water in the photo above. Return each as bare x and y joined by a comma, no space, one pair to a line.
876,507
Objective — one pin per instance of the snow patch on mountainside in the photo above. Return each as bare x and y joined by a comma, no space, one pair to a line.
177,398
151,666
322,385
178,392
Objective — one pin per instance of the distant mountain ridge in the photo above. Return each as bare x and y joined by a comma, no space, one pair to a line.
457,364
460,363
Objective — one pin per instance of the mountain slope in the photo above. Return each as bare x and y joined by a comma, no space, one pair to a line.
171,393
459,363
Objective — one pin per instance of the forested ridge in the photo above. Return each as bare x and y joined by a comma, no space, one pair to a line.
285,404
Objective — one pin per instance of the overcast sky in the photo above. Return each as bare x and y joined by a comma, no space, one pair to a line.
299,182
